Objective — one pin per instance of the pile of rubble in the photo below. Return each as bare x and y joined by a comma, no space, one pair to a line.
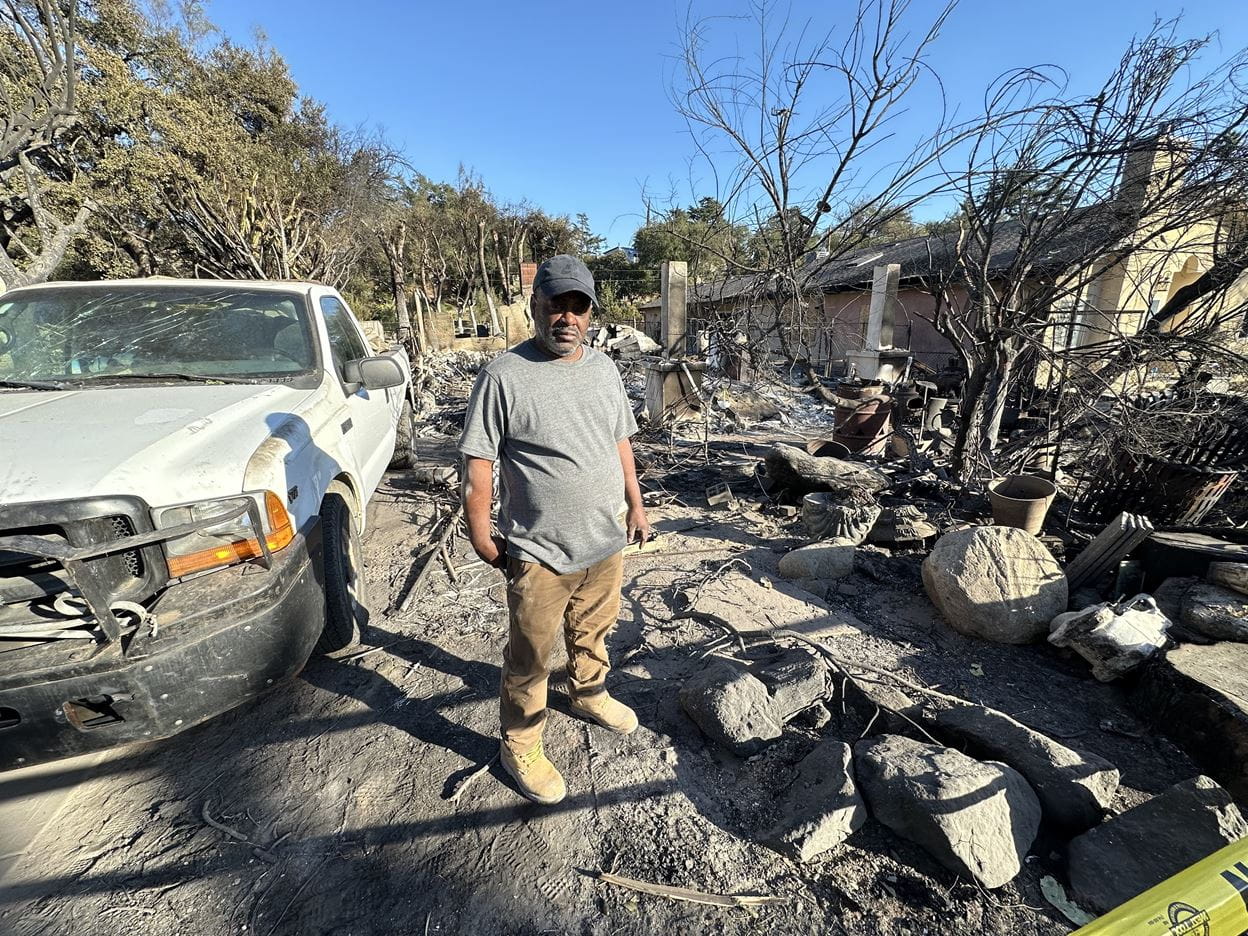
974,787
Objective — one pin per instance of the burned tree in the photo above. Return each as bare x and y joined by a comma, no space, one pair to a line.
803,121
40,213
1086,223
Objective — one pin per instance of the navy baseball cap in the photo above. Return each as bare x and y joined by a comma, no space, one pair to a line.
564,273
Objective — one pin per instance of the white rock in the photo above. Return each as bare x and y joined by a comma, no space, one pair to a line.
998,583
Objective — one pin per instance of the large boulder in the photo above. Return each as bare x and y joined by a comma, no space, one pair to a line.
1074,789
732,707
999,583
1142,847
1216,612
976,818
822,808
819,562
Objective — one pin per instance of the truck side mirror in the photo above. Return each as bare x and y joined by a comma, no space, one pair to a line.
375,373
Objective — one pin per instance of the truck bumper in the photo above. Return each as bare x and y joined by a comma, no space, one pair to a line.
223,638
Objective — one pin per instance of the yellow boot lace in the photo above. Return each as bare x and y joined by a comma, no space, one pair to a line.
531,756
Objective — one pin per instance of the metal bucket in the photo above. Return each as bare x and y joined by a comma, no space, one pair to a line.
1021,501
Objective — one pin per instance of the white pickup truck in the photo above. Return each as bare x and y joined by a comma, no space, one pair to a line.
184,471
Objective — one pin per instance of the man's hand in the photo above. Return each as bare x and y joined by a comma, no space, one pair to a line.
493,551
638,525
636,522
478,495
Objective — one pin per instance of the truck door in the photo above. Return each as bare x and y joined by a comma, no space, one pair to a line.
368,430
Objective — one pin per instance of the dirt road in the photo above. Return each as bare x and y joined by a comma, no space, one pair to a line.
325,806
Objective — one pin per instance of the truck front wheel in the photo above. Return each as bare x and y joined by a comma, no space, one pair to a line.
404,439
346,598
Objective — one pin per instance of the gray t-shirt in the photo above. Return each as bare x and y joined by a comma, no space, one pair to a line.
554,428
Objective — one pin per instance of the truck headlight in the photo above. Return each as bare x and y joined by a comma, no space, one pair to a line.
226,543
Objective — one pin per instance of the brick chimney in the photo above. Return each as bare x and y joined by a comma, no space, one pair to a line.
1152,166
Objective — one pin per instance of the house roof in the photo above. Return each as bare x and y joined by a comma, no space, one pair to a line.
934,255
937,254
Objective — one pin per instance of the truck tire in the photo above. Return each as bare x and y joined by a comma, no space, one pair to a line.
404,439
346,595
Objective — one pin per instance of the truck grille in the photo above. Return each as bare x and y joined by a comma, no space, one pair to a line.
25,578
122,527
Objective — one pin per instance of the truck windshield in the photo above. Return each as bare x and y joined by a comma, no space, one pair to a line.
82,334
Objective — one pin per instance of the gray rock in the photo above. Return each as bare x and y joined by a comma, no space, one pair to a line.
732,707
999,583
795,678
1216,612
745,404
1142,847
1198,697
822,808
976,818
1074,789
831,559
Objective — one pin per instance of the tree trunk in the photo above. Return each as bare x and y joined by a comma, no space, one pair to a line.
485,280
428,311
995,395
504,279
395,251
524,233
966,440
422,340
983,406
509,267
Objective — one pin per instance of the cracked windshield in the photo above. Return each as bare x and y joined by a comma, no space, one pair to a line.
86,334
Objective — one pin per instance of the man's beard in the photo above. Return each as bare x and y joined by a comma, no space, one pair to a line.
551,342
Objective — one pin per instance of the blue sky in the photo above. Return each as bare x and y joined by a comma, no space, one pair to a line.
566,104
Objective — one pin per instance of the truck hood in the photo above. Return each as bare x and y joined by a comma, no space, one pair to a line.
165,444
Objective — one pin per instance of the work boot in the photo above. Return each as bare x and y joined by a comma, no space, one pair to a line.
536,776
608,712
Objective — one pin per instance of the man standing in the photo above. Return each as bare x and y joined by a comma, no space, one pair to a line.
554,414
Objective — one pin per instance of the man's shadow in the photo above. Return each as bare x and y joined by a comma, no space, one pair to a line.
421,718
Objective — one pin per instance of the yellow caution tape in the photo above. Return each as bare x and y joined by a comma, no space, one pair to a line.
1208,899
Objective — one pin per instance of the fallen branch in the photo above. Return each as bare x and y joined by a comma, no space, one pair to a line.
842,665
430,558
450,566
463,784
259,851
712,619
684,893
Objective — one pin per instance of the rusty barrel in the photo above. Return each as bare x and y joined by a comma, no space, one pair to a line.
863,425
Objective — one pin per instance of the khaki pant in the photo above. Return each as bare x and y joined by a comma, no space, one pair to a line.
584,605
